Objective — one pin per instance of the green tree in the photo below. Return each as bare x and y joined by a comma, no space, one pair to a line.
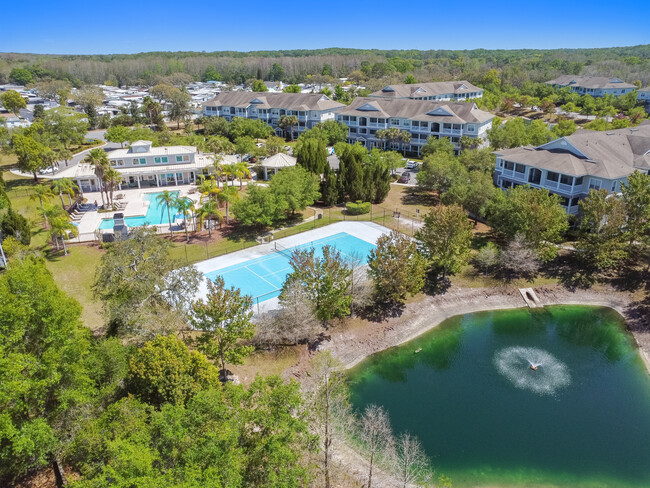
326,281
210,212
473,192
168,199
211,74
564,128
259,86
482,160
410,80
288,122
602,242
445,238
538,133
397,268
435,146
224,318
28,152
43,382
636,198
292,89
166,371
440,172
21,76
186,207
275,145
41,193
118,134
12,101
179,106
227,196
311,154
260,207
329,188
296,186
534,213
15,225
277,72
62,228
334,131
143,290
99,160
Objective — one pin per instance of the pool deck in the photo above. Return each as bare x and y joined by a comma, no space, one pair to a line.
366,231
136,206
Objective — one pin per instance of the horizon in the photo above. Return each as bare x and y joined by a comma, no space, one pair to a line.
53,30
251,51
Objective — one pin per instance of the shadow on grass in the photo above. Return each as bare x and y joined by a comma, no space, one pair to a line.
418,196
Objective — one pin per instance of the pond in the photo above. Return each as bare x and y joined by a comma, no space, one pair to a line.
485,415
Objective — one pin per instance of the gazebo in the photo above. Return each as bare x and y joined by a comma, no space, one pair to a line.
276,162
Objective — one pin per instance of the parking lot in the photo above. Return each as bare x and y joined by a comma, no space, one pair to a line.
412,171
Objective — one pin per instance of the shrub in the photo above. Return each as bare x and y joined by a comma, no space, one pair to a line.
15,225
358,208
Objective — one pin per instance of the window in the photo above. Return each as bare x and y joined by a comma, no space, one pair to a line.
574,201
120,162
135,161
551,176
186,158
566,180
509,165
595,184
179,159
578,181
143,161
470,128
520,168
394,121
156,160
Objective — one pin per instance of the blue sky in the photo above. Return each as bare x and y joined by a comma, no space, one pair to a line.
75,27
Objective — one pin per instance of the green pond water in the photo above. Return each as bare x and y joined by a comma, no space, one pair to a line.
485,418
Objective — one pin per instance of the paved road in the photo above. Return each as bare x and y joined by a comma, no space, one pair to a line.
94,134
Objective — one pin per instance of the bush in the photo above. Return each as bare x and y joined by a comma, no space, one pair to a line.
358,208
15,225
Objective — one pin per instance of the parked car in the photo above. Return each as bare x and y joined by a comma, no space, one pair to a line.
411,164
404,178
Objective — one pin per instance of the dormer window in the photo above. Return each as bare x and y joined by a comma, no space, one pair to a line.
367,107
387,89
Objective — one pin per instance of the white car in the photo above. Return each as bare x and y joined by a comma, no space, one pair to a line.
411,164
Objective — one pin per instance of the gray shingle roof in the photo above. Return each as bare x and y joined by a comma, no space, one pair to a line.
289,101
590,81
420,90
423,110
612,154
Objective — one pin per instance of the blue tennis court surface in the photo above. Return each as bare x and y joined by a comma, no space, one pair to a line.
263,277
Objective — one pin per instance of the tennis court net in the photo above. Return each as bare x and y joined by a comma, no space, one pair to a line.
283,250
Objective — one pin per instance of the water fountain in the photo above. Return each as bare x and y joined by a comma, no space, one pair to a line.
532,369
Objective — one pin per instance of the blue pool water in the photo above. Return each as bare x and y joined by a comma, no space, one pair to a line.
263,277
156,214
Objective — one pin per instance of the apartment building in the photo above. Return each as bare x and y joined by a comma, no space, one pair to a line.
644,96
596,86
421,118
309,108
443,91
573,165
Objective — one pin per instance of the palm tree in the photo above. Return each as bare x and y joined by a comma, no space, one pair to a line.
65,185
186,206
42,193
209,211
98,158
209,188
288,122
169,199
50,213
60,228
228,195
113,178
228,171
405,138
240,170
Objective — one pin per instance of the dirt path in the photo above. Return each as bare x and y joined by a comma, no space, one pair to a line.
358,339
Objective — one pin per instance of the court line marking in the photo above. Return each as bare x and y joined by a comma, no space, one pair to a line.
275,288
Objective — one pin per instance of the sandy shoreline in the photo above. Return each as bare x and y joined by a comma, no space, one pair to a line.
352,345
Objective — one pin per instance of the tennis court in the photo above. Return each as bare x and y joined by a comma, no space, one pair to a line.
263,277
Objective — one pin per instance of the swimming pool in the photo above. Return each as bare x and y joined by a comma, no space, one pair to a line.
156,214
263,277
